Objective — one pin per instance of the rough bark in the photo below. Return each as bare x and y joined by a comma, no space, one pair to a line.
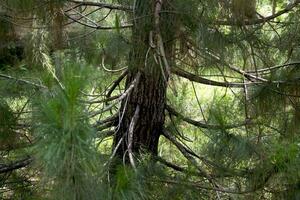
150,92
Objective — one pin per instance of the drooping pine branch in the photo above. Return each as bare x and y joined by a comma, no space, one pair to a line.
4,168
199,79
103,5
201,124
289,8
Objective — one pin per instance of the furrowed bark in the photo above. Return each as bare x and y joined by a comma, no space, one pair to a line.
150,92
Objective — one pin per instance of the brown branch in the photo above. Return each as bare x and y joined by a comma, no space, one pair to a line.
198,79
111,70
169,164
175,167
112,118
200,124
264,70
4,168
258,21
22,81
105,125
130,135
123,96
102,100
116,83
196,185
186,154
98,27
104,5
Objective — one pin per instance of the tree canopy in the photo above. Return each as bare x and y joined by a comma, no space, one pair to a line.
149,99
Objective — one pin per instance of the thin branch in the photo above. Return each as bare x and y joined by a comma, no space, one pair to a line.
175,167
98,27
123,96
112,118
169,164
130,135
102,100
261,20
198,79
233,68
4,168
116,83
105,125
111,70
22,81
186,154
113,153
264,70
104,5
203,124
196,185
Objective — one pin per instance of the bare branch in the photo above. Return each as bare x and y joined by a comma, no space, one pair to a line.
105,125
4,168
203,187
102,100
111,70
203,124
104,5
22,81
130,135
198,79
112,118
113,153
123,96
186,154
98,26
173,166
261,20
116,83
269,69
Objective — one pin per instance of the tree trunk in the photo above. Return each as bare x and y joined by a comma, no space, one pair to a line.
149,93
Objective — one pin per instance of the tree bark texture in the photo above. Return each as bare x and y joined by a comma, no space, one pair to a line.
149,94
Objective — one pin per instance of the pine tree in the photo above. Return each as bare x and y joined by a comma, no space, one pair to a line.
156,99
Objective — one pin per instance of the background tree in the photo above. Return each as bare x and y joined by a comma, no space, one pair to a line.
157,99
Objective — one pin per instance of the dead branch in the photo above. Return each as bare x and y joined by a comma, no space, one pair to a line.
130,135
116,83
203,124
198,79
4,168
185,153
103,5
261,20
22,81
123,96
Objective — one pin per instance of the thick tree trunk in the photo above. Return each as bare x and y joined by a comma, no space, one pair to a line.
149,94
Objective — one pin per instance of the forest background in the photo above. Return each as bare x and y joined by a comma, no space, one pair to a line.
149,99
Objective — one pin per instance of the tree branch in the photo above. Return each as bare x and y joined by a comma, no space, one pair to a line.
198,79
98,26
105,125
203,124
261,20
22,81
4,168
103,5
130,135
186,154
269,69
125,94
116,83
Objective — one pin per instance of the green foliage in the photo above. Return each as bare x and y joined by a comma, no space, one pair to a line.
65,138
250,150
7,126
